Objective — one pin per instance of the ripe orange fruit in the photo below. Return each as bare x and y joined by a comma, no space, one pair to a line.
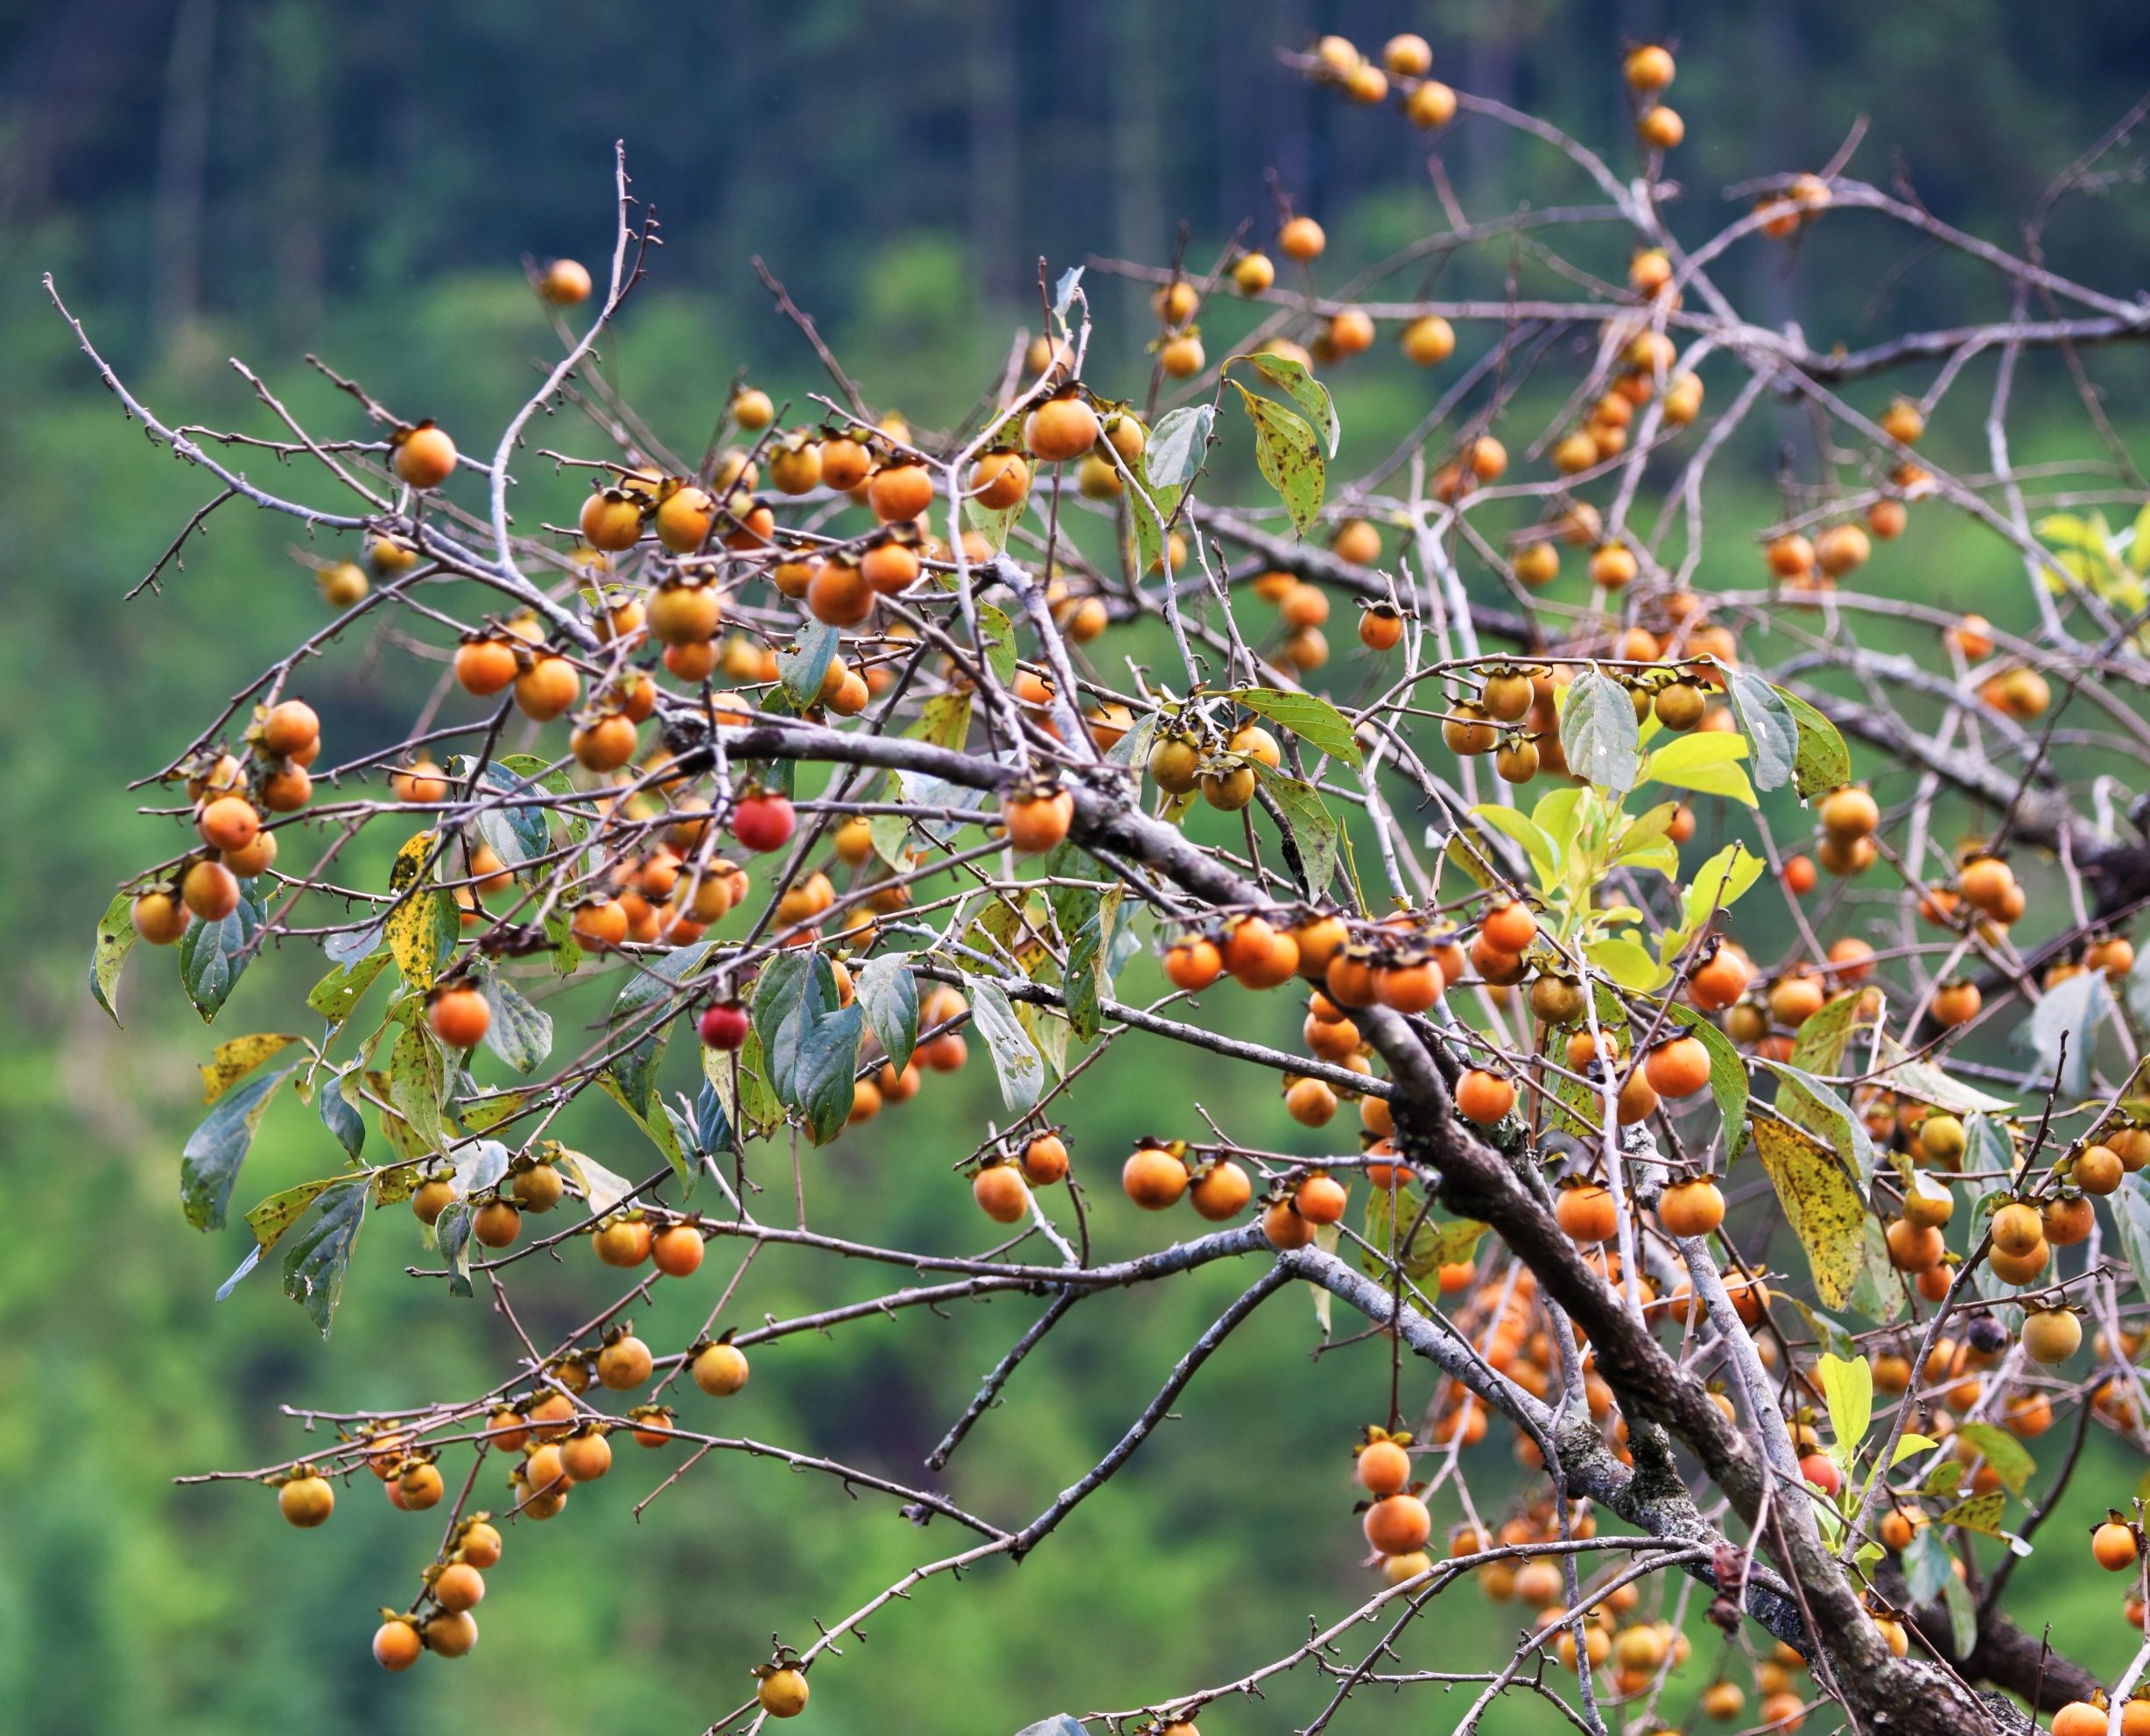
210,890
2114,1546
452,1633
783,1693
1193,964
1153,1179
228,823
676,1251
1301,238
1037,820
306,1502
547,688
1284,1227
485,666
459,1585
611,521
1692,1208
1650,70
460,1017
1061,428
899,491
1001,1193
160,919
291,729
719,1369
1044,1159
1223,1192
1428,340
1586,1213
1484,1097
425,456
397,1645
1398,1524
1384,1468
1322,1200
1509,927
1679,1068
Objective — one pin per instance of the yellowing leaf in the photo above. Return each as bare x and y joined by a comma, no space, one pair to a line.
1820,1204
413,927
232,1061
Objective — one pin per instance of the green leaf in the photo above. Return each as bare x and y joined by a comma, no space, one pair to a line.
825,1082
1927,1566
209,1165
1545,861
1627,963
889,994
2131,1212
1302,388
1929,1084
1806,1103
1823,763
2067,1018
1645,842
1820,1044
1090,963
1765,721
601,1190
1177,446
802,668
520,1034
481,1115
2010,1458
417,1083
654,1122
1021,1069
1558,814
1289,454
994,523
1978,1513
516,829
421,930
1847,1389
336,995
230,1062
796,991
1312,719
280,1210
115,938
1598,731
1728,1074
1825,1209
636,1065
320,1254
1150,549
1311,828
1718,884
1706,761
340,1113
1963,1616
997,633
212,955
1434,1243
759,1110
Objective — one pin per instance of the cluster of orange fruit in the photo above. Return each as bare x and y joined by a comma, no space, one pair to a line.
230,797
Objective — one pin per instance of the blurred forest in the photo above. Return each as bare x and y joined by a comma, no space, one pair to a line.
265,178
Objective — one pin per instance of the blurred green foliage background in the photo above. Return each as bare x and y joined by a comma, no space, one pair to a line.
267,177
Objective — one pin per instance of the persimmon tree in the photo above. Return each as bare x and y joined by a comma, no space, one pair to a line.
1764,1261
